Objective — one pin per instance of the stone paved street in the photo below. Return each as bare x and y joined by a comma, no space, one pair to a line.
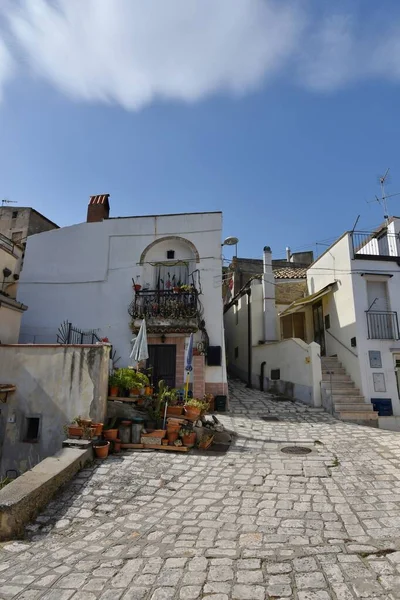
251,524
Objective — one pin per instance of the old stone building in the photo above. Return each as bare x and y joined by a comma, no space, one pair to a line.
19,222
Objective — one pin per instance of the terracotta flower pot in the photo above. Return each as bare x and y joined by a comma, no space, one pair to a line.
110,434
173,426
114,391
172,437
164,442
137,287
101,449
189,440
174,411
75,431
98,428
117,446
192,413
133,392
148,391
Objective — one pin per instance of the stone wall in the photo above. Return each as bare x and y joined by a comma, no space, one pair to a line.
54,384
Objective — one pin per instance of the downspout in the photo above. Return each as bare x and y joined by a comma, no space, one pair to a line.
262,375
249,340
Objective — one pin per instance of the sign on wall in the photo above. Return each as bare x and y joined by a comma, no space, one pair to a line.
375,359
379,382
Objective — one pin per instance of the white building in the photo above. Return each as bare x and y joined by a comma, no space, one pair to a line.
85,273
352,312
261,348
10,310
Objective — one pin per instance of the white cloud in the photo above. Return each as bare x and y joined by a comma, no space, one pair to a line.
134,51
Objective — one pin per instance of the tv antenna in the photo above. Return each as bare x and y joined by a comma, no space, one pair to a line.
6,201
382,200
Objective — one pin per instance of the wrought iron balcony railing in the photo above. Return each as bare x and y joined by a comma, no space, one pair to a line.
376,246
164,304
382,325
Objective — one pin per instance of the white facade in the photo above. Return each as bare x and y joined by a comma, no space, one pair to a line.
83,274
361,310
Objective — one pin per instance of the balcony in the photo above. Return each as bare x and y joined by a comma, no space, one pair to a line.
382,325
371,245
166,311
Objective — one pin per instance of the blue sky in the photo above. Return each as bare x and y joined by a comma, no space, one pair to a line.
280,114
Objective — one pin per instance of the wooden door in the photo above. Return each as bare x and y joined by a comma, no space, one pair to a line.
319,329
162,359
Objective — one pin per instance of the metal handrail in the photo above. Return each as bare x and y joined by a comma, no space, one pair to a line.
341,343
369,244
165,304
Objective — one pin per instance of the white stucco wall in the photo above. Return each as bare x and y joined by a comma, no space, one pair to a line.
84,273
347,306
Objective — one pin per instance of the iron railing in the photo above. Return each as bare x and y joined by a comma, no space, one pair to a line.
382,325
164,304
373,245
68,334
7,244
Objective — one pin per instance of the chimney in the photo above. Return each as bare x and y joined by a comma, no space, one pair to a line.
98,208
287,253
269,308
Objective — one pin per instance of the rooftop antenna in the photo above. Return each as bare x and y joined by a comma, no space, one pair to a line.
6,201
383,179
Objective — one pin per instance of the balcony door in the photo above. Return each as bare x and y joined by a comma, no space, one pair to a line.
380,320
162,359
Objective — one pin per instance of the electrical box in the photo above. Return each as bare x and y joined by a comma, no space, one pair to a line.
375,359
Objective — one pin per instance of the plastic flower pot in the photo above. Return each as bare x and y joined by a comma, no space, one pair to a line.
192,413
75,431
110,434
101,449
189,439
98,428
172,437
174,411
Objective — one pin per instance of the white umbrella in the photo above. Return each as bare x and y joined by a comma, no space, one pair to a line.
139,350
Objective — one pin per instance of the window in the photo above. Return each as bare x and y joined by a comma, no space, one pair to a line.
293,326
170,254
16,236
170,276
14,214
31,433
237,352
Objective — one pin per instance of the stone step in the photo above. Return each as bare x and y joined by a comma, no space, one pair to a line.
353,407
336,378
338,385
350,399
351,391
335,371
358,417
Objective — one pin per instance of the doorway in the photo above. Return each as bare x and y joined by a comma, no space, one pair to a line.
162,359
319,329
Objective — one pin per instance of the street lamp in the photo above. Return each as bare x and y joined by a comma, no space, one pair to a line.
231,241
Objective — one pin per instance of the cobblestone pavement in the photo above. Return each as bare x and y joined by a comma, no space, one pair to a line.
251,524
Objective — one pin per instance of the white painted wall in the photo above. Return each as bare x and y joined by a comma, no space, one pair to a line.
84,274
300,369
347,306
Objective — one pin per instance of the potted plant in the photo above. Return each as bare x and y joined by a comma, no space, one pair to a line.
194,407
101,448
136,286
109,432
206,440
74,430
188,437
98,428
172,400
113,383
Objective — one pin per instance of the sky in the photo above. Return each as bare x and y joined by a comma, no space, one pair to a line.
282,114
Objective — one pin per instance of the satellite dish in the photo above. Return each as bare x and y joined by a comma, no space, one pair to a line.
230,241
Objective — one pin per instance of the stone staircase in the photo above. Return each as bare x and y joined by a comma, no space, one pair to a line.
341,397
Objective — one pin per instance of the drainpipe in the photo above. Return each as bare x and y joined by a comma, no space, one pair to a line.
249,340
269,308
262,375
